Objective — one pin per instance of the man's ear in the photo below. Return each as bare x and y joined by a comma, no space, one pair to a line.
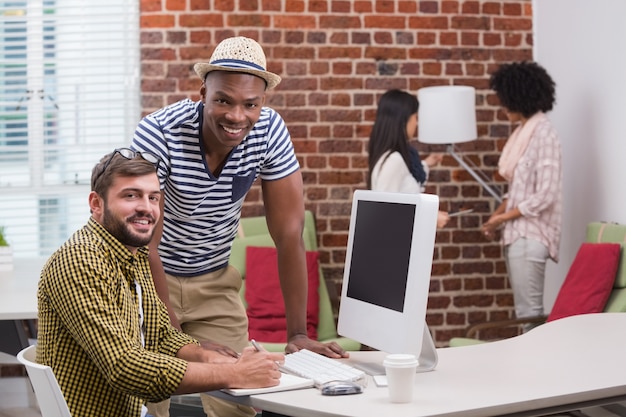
202,90
96,203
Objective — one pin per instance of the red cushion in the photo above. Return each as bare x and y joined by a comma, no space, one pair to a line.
589,281
266,308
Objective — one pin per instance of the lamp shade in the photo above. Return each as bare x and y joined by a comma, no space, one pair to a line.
447,114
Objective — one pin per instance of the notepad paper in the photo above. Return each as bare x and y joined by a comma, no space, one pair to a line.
287,382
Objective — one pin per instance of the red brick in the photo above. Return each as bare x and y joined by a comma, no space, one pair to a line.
432,68
406,7
383,38
449,38
512,9
293,22
150,6
271,5
219,5
440,22
384,6
339,6
175,5
454,69
162,54
295,6
201,20
343,100
338,83
318,6
428,7
339,22
472,23
157,21
249,19
470,7
513,39
384,21
249,5
450,7
316,193
339,38
470,39
492,39
338,162
506,24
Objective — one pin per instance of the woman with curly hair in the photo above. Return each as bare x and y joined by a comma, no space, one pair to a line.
394,165
530,215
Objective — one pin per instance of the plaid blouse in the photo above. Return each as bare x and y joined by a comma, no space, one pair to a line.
89,327
536,190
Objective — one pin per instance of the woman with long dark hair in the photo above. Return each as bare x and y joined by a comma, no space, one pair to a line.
394,165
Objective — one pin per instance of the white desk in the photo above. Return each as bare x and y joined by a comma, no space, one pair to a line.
18,289
18,301
563,365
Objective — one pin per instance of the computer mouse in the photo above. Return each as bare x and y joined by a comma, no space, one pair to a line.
341,388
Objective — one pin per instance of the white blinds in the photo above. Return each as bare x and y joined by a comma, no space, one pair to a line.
69,93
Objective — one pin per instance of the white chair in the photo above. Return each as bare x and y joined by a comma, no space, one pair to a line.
47,390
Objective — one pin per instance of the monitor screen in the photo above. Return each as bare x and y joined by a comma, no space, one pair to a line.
387,271
381,252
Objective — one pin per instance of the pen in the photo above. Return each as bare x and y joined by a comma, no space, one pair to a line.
460,212
256,345
259,348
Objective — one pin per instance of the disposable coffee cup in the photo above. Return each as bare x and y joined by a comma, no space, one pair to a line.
400,369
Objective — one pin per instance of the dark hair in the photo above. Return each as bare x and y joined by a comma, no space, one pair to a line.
524,87
389,130
114,165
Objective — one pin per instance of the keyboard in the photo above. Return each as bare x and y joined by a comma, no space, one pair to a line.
320,368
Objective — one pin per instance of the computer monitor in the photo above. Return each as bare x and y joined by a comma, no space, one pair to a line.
387,274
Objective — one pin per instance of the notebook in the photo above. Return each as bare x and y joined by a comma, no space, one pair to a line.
287,382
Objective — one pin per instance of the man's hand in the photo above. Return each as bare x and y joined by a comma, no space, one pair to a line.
257,369
332,350
221,349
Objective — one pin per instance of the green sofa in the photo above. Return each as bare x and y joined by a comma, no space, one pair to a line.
597,232
255,233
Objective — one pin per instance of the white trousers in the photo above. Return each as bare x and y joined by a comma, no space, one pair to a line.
526,264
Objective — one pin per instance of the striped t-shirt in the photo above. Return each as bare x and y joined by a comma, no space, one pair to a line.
202,212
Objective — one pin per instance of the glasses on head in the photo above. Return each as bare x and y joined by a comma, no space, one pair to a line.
130,154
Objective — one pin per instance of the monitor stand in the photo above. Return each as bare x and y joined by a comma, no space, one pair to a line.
427,358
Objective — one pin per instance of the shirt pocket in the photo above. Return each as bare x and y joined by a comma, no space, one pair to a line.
525,169
241,185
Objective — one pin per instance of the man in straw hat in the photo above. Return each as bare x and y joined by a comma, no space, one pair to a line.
213,150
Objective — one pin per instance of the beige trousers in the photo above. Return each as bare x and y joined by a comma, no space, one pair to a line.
208,307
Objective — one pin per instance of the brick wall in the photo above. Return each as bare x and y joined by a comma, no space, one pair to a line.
336,58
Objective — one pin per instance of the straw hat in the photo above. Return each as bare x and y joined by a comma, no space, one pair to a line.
238,54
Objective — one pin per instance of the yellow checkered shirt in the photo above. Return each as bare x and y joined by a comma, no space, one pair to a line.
89,327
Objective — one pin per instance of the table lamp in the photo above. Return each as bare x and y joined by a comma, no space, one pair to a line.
447,115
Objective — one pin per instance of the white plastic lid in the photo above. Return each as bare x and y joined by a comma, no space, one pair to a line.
400,360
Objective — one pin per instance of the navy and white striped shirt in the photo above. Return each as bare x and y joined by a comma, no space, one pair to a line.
202,212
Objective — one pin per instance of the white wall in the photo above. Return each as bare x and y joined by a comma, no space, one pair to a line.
581,44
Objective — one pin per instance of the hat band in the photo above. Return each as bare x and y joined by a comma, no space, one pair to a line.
237,64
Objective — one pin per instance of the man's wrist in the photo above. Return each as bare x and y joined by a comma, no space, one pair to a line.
298,335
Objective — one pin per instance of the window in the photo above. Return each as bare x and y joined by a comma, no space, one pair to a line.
69,93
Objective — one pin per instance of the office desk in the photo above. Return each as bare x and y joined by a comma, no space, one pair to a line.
18,302
562,365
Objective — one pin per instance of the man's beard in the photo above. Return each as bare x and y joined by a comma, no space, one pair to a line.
120,230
